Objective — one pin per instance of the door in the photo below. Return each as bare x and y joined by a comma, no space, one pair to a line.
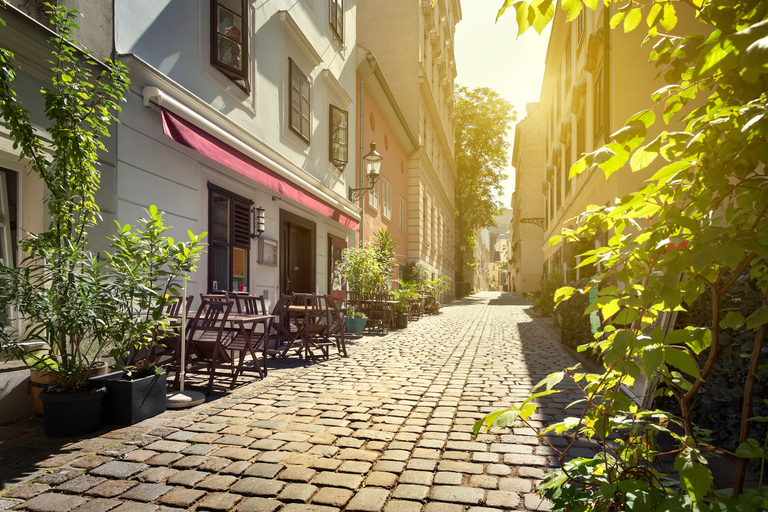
336,247
297,254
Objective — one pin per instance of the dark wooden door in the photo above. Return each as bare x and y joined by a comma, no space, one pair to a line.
297,261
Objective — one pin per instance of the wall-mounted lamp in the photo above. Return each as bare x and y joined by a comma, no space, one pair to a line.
372,162
258,221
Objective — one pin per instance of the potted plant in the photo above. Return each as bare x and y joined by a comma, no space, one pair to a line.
147,266
61,292
354,321
403,295
436,288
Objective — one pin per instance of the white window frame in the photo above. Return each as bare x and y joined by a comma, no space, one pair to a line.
386,199
403,214
373,196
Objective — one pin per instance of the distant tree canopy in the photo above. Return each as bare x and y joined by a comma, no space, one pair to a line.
483,120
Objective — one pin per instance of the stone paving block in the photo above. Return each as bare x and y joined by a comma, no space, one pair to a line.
460,467
182,497
448,478
219,501
326,464
252,486
332,496
535,502
465,495
520,485
53,502
402,506
156,475
259,505
484,481
518,459
297,493
303,507
264,470
416,477
323,450
90,462
422,464
236,468
164,459
346,480
353,454
503,499
401,455
80,484
199,449
236,453
59,476
527,472
410,492
349,442
213,464
190,462
132,506
26,491
389,466
217,482
111,488
355,466
119,469
296,447
381,479
99,505
167,446
368,499
146,492
139,455
188,478
297,474
374,435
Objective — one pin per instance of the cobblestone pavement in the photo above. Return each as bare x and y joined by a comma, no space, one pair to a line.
388,428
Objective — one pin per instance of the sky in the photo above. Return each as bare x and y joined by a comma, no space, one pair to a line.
488,54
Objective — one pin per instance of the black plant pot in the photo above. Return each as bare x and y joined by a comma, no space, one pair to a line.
401,321
71,414
131,401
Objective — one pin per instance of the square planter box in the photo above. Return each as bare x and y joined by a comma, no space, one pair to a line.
131,401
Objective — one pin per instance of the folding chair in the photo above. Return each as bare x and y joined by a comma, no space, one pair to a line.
166,342
207,338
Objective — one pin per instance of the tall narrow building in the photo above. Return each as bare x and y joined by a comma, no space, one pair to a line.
413,44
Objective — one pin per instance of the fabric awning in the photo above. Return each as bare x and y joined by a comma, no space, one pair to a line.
194,137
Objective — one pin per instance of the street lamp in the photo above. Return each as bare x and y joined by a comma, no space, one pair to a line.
372,162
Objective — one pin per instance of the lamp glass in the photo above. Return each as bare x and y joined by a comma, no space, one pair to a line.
372,161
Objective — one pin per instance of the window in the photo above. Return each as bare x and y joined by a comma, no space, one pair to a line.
299,108
403,218
580,135
568,60
386,199
373,196
597,120
337,19
339,130
229,40
229,219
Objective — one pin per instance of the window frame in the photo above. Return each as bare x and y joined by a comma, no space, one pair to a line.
403,213
332,127
233,73
303,78
234,234
386,199
336,23
373,196
597,102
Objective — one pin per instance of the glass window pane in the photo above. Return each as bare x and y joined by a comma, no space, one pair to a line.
233,5
305,127
219,218
295,101
219,267
230,25
305,107
229,53
295,120
305,89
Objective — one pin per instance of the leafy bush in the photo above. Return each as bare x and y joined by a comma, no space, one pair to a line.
415,272
549,284
575,326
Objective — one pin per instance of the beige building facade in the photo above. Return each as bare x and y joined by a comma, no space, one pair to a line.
595,79
526,229
413,44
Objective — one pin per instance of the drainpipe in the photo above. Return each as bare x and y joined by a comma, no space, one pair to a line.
607,72
372,63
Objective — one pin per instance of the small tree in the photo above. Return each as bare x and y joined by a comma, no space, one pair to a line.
60,290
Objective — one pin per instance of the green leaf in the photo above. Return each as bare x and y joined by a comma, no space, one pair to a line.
507,3
758,318
668,172
563,293
572,7
632,20
550,381
524,16
651,359
750,449
732,320
695,477
616,19
668,18
681,360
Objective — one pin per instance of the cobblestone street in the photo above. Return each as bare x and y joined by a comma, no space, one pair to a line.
388,428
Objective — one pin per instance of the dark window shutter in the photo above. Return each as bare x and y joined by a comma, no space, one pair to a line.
242,225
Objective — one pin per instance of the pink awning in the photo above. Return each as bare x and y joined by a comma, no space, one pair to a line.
186,133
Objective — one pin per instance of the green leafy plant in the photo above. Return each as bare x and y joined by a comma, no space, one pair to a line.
353,313
368,269
550,282
405,292
61,291
148,267
699,224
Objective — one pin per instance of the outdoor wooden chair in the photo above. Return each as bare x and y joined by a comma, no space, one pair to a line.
336,327
378,313
207,339
282,328
248,304
166,341
311,322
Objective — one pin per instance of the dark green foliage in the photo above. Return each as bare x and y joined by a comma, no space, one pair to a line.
415,272
575,328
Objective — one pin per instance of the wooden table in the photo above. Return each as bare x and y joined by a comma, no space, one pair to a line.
239,322
309,327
